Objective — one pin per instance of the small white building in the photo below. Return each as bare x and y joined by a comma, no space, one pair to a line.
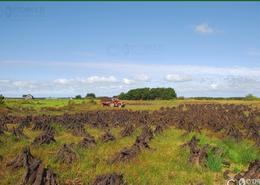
28,97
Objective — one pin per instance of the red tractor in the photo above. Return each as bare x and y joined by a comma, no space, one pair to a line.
113,103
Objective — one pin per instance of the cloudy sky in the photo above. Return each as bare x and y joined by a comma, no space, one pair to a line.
64,49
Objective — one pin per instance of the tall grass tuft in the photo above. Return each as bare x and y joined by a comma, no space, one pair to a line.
214,162
240,153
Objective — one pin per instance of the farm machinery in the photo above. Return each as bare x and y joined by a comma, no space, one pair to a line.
113,103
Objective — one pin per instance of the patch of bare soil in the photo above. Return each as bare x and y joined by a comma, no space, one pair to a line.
233,132
3,127
42,124
108,136
73,124
44,138
198,154
127,131
88,141
18,133
66,155
143,139
141,143
1,130
159,128
37,174
253,171
78,130
110,179
125,154
75,181
23,159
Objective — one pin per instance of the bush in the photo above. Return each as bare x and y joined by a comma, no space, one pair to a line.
149,94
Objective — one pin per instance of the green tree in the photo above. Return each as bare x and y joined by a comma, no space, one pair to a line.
78,97
148,94
90,95
250,97
2,99
122,96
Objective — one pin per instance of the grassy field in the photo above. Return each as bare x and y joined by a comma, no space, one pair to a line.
165,163
59,106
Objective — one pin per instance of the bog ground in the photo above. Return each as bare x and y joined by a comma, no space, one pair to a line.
147,142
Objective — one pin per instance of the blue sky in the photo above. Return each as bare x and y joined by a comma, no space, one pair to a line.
64,49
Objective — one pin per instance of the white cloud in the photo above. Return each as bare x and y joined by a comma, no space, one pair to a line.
204,28
62,81
243,83
128,81
151,69
59,86
4,81
142,77
204,80
200,85
88,80
98,79
177,78
214,86
136,79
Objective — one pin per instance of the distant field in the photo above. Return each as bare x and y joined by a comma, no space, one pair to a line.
58,106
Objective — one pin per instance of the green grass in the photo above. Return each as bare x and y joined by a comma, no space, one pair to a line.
49,106
165,163
241,153
214,162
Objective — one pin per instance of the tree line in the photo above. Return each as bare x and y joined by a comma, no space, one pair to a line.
89,95
247,97
149,94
